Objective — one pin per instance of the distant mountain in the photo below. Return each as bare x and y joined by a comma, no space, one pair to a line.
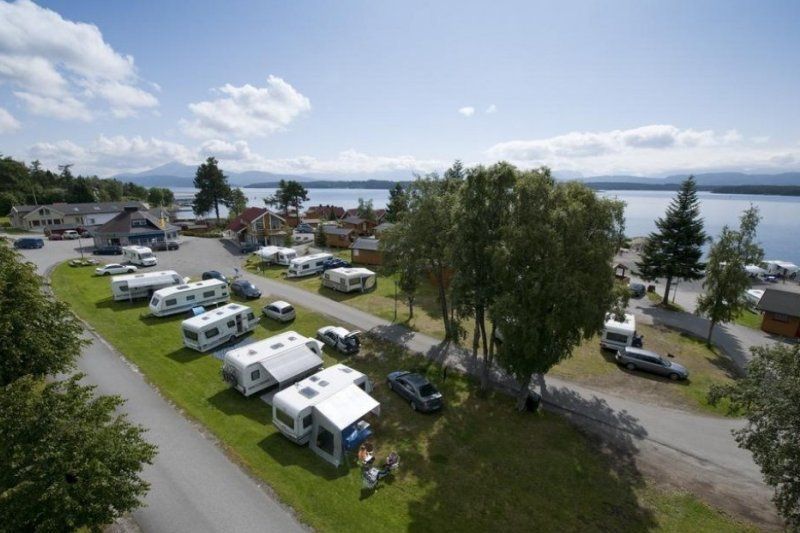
179,175
711,179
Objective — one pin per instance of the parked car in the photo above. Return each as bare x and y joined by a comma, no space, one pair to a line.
164,245
114,268
640,359
415,388
245,289
55,237
108,250
215,274
29,242
85,233
637,289
304,228
70,234
280,311
249,247
342,340
335,262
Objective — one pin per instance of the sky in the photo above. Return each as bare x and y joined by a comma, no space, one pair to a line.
350,89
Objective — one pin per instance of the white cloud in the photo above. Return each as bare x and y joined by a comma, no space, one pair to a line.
467,111
7,122
56,62
491,109
247,110
648,150
232,151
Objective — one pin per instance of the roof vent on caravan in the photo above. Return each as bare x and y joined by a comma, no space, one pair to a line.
323,383
276,345
204,317
346,369
183,286
314,378
308,392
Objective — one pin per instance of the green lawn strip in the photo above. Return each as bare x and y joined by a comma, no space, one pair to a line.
593,366
658,299
750,319
477,466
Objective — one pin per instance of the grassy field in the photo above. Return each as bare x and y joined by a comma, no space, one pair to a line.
750,319
595,367
476,466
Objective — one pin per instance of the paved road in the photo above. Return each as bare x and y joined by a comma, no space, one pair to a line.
194,486
693,451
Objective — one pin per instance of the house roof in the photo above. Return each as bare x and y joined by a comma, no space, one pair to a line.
122,224
81,209
353,220
383,226
366,243
246,218
335,230
324,211
783,302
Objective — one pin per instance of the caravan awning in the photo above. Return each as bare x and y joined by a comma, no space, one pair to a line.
291,364
347,407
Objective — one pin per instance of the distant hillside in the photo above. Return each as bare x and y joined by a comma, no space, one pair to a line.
776,190
707,179
331,184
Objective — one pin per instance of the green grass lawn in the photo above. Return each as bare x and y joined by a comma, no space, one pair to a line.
595,367
658,298
750,319
477,466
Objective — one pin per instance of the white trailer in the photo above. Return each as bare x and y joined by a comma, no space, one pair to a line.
784,269
753,296
280,360
276,254
143,284
326,411
349,279
617,335
307,265
139,255
180,298
213,328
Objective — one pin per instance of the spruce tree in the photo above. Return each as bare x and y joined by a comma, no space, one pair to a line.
675,249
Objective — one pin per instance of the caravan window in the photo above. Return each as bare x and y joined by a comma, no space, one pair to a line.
231,323
284,418
616,337
305,267
355,281
251,316
190,334
154,302
213,332
189,297
208,294
255,374
123,287
307,421
170,302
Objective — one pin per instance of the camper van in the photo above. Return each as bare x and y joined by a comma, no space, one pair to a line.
307,265
617,335
784,269
276,254
349,279
212,328
143,284
326,411
139,255
180,298
280,360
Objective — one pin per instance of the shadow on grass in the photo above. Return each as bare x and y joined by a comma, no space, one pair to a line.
185,355
233,403
716,358
121,305
287,453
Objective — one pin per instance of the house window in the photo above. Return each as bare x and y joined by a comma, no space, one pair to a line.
780,317
355,253
139,222
213,332
35,222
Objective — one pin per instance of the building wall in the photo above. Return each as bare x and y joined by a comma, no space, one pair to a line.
38,220
337,241
786,326
127,240
366,257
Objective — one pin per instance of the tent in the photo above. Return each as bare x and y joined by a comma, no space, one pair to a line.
337,423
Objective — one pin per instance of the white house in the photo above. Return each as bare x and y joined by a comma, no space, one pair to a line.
38,217
213,328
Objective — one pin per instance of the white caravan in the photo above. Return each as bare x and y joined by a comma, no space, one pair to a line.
307,265
139,255
280,360
753,296
276,254
781,268
755,271
180,298
212,328
617,335
349,279
326,411
143,284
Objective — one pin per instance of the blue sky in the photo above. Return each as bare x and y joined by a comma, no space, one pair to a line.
356,88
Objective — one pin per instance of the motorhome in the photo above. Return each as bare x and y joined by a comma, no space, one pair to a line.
139,255
755,271
783,269
276,254
213,328
327,411
307,265
349,279
143,284
280,360
180,298
617,335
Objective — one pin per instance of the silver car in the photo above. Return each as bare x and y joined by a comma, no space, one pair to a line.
280,311
639,359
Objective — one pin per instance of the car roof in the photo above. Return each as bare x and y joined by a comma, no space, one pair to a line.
415,379
641,351
280,304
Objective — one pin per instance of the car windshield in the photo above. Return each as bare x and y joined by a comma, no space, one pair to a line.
427,390
287,309
665,362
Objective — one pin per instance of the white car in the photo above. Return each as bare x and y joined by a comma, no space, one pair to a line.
280,311
340,339
70,234
114,268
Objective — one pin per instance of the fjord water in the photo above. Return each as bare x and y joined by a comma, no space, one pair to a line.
779,231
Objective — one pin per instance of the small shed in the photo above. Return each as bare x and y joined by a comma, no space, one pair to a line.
338,425
620,271
781,312
337,237
366,251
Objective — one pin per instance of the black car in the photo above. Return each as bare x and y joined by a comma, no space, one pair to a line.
214,274
29,242
165,245
304,228
249,247
637,289
245,289
415,388
107,250
335,262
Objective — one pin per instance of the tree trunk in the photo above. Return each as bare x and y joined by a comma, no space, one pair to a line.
710,331
216,208
487,359
410,308
483,332
476,336
443,301
523,392
665,301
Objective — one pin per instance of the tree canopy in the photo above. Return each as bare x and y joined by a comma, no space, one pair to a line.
213,188
769,397
365,210
398,203
288,194
675,249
